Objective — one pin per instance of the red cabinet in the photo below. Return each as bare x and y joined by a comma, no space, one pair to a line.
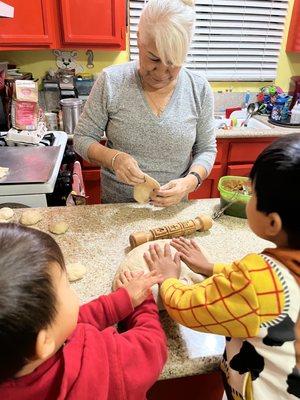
65,24
92,184
101,22
31,26
293,42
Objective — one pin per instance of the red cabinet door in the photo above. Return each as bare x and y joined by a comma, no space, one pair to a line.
293,42
31,25
209,187
92,182
94,22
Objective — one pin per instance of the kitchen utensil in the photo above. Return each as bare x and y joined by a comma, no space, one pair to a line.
28,164
217,214
71,110
200,223
251,109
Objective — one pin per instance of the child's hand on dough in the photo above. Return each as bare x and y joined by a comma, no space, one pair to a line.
162,261
138,284
191,254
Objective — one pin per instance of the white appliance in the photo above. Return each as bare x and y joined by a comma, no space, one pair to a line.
34,194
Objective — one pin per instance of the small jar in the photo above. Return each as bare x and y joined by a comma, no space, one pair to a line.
71,110
51,121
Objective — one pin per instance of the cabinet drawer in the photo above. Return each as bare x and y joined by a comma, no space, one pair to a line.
239,169
245,152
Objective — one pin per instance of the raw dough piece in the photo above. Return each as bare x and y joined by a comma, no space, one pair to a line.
6,213
58,227
75,271
30,217
142,192
134,261
3,172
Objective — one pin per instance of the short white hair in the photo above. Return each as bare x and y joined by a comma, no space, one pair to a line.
170,23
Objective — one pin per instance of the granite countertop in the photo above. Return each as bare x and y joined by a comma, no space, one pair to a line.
98,238
275,131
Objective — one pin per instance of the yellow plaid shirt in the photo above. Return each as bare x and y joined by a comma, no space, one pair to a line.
233,302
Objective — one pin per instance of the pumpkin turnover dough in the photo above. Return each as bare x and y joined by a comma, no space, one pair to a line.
30,217
134,261
58,227
142,191
75,271
6,213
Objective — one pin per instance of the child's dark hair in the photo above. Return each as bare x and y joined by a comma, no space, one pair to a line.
276,178
27,297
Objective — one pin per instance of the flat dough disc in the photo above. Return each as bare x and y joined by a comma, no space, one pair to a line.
134,261
142,192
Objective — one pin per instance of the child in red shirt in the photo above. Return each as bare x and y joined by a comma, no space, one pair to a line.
52,349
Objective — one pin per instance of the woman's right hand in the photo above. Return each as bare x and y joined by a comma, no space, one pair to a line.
127,170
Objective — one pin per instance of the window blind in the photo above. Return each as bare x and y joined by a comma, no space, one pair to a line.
234,40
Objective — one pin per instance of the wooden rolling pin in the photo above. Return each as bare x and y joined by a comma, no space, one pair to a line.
200,223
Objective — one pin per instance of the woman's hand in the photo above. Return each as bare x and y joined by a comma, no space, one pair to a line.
162,262
127,170
174,191
138,285
192,256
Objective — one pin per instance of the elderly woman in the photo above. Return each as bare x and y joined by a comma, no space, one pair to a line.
156,114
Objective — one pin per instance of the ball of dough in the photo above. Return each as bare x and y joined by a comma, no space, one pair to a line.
75,271
134,261
6,213
142,192
58,227
30,217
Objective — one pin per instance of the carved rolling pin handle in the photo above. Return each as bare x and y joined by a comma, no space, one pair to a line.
200,223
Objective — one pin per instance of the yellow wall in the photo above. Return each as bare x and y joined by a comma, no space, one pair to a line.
40,61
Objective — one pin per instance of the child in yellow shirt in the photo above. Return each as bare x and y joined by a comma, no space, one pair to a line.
255,301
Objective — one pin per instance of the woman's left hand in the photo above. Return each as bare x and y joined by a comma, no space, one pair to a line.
174,191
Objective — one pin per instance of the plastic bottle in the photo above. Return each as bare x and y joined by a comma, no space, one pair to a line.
295,114
246,99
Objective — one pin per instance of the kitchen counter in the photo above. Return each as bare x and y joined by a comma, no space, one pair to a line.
275,131
98,237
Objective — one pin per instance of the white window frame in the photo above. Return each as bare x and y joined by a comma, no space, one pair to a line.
234,40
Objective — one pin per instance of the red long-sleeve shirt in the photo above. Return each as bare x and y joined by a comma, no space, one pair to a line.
97,362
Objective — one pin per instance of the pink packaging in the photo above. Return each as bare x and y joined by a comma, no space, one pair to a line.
24,115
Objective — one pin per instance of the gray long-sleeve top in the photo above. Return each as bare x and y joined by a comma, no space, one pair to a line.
164,146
